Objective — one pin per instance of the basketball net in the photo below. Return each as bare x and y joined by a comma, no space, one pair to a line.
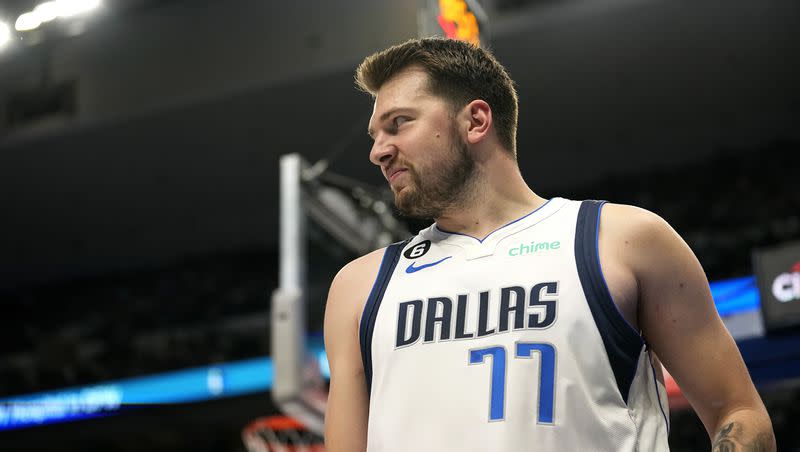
280,434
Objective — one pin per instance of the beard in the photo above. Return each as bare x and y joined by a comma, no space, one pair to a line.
442,185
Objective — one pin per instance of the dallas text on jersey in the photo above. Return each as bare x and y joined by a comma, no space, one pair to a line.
540,310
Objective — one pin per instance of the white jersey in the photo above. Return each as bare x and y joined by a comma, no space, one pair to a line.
508,343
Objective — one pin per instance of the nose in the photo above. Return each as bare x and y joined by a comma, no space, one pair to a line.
383,151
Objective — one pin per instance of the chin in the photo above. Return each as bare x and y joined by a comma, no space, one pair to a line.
402,201
401,191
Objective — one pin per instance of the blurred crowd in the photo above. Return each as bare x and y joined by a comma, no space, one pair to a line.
194,312
723,207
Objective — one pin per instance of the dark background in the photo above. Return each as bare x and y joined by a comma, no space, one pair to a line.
139,150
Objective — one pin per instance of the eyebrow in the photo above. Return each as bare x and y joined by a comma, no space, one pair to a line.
384,116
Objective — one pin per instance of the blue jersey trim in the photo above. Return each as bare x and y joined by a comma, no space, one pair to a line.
622,343
501,227
658,396
390,258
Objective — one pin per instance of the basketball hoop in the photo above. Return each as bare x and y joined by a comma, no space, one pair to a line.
280,434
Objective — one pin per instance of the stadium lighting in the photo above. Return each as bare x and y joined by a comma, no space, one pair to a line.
5,34
46,11
27,22
69,8
50,10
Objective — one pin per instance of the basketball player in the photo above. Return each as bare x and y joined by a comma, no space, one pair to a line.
514,322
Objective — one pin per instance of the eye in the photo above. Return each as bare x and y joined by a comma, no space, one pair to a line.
399,120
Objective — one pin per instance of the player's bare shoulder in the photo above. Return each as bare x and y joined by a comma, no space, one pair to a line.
635,235
351,286
625,232
625,245
631,221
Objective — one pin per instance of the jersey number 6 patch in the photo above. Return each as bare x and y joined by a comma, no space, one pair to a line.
497,388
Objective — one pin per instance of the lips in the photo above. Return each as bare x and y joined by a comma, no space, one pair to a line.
394,172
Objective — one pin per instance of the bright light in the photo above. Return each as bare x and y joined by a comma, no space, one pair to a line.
53,9
28,21
69,8
5,34
47,11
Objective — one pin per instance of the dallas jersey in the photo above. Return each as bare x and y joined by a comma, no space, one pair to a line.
508,343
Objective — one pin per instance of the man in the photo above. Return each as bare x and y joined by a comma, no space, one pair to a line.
513,322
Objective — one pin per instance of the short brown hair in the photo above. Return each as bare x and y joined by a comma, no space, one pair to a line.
459,72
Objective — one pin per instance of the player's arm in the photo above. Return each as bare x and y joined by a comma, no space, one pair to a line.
678,319
348,401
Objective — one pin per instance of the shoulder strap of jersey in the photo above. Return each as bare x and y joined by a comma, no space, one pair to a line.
622,343
390,258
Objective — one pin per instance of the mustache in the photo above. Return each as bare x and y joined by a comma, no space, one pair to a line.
400,164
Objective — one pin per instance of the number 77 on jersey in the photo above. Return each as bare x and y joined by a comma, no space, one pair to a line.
497,385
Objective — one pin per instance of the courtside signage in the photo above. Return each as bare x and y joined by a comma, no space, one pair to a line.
112,397
778,275
786,286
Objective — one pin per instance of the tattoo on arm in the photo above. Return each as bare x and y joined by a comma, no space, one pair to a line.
722,442
728,439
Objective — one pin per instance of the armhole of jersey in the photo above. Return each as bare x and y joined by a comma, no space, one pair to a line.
622,343
390,257
659,394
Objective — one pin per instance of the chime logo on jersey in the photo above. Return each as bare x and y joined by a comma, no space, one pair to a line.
786,286
434,318
523,249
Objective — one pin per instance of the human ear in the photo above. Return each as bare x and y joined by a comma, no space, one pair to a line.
480,120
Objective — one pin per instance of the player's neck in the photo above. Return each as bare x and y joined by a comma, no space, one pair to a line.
500,196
